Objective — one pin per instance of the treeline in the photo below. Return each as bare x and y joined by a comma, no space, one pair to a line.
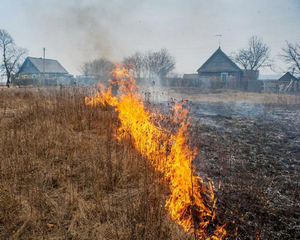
143,65
150,64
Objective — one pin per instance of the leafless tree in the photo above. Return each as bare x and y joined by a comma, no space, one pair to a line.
254,56
12,55
85,69
99,68
136,63
159,63
151,64
291,56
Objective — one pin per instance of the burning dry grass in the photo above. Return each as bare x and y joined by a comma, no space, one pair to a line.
191,204
64,176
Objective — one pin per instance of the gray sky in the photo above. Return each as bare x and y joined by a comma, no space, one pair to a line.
75,31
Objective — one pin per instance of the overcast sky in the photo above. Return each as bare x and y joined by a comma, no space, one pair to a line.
80,30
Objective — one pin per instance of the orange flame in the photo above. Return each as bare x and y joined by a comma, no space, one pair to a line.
191,204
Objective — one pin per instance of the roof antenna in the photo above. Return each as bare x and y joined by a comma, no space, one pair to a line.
219,39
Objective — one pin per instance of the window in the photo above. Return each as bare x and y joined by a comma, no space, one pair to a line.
33,76
25,76
224,77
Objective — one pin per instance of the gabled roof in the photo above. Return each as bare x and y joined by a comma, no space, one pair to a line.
44,65
288,77
219,62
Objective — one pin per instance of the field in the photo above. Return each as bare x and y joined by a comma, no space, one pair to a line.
65,176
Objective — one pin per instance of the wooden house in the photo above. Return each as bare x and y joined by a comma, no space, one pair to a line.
288,83
40,71
219,71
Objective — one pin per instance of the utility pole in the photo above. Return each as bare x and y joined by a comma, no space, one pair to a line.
219,39
44,53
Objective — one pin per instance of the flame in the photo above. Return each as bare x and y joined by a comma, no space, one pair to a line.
191,203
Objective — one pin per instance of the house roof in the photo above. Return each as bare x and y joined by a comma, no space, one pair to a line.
287,77
219,62
45,65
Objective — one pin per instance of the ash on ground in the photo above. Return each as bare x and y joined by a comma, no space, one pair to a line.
252,153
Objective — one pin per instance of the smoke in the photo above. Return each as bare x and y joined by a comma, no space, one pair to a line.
78,31
73,31
90,32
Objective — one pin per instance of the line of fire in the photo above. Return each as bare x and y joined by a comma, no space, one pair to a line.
191,202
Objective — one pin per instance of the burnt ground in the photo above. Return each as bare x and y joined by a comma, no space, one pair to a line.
252,154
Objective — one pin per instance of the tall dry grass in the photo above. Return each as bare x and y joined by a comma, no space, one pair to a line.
64,176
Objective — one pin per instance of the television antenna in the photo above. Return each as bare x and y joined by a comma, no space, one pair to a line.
219,39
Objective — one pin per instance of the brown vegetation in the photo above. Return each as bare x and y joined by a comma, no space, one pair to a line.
64,176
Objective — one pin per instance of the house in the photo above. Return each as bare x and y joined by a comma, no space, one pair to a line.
40,71
219,71
287,83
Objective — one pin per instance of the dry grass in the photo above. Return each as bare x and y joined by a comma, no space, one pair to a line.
228,96
64,176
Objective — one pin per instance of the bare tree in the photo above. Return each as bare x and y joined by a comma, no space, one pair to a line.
291,56
99,68
254,56
102,67
167,63
12,55
151,64
136,63
85,69
159,63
